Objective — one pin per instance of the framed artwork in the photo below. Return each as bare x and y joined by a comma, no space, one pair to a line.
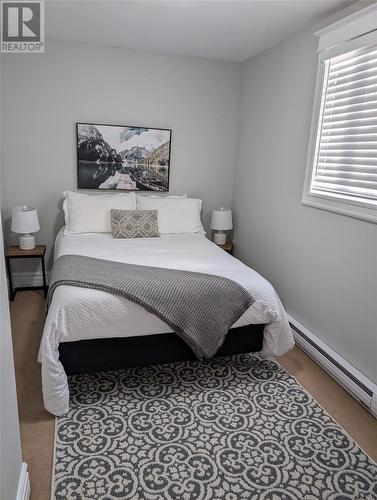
122,157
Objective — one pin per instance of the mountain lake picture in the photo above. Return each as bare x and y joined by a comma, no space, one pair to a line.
127,158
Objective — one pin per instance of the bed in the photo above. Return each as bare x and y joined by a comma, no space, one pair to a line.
88,330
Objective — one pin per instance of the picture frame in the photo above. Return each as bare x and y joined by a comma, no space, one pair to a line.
123,157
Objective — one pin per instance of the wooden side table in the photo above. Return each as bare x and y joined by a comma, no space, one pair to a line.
15,252
228,247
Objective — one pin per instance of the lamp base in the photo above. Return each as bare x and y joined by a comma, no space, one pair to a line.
219,238
26,242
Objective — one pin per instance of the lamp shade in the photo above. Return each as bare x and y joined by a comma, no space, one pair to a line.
24,220
221,219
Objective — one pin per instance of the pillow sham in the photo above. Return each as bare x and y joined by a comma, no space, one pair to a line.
175,215
88,213
134,223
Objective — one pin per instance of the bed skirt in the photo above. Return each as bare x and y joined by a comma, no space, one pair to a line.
87,356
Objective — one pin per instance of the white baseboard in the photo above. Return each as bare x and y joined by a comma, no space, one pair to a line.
29,279
23,491
351,379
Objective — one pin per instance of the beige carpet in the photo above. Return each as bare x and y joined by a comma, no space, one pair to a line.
37,426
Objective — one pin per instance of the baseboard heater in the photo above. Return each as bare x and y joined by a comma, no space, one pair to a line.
353,381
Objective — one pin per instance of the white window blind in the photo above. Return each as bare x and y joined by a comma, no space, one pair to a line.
345,159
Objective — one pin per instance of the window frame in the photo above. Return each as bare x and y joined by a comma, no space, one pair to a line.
330,202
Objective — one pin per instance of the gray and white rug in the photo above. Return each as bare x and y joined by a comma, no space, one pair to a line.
230,428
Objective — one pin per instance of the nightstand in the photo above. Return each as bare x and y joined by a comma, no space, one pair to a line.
228,247
14,252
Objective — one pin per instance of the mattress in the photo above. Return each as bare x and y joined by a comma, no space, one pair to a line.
81,314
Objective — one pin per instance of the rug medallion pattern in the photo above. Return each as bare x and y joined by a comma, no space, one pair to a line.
229,428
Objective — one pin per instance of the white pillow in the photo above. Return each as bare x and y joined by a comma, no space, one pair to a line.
175,215
87,213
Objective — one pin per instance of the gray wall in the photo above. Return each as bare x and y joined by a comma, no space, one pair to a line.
10,442
323,265
44,95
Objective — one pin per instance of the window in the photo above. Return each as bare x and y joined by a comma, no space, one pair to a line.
342,159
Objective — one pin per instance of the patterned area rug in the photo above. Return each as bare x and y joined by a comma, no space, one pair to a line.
230,428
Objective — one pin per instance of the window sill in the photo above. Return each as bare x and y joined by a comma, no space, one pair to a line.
348,208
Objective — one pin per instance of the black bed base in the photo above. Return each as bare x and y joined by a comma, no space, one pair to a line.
87,356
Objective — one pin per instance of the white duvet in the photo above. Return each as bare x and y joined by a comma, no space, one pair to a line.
80,313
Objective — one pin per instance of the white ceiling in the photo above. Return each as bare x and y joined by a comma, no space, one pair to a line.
231,30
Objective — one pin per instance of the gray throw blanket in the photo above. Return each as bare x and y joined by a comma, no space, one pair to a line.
199,307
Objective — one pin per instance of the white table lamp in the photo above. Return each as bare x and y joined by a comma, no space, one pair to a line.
221,221
25,221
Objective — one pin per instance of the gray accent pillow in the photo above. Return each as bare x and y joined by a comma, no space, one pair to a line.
134,223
